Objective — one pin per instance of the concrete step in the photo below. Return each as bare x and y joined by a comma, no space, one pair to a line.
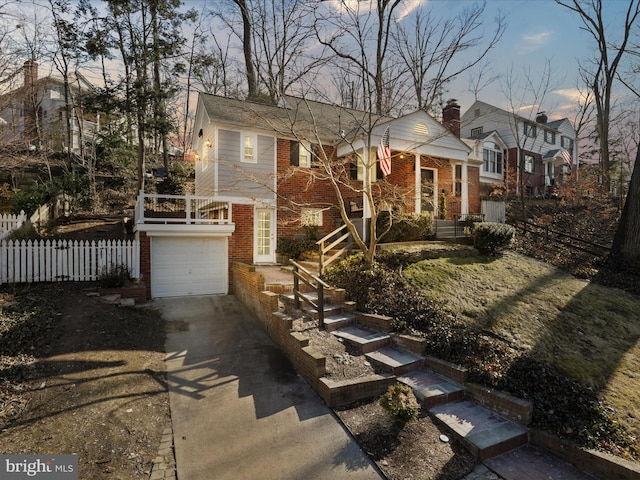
431,389
365,340
485,433
394,360
329,311
532,463
338,320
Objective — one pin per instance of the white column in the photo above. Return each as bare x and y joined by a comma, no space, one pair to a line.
418,184
464,208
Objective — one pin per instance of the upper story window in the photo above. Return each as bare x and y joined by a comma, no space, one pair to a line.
491,158
566,142
476,132
249,145
550,137
304,154
311,216
530,129
529,163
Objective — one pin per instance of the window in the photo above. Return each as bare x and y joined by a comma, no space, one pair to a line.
492,158
529,129
529,163
311,216
566,142
476,132
302,154
249,149
550,137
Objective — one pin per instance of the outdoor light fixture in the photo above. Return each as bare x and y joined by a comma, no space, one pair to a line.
208,143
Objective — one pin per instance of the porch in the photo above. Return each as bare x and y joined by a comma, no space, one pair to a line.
154,209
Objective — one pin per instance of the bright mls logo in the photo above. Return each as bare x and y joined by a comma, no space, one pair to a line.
50,467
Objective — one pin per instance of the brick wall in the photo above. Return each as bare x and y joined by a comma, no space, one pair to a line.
241,241
514,408
473,186
145,261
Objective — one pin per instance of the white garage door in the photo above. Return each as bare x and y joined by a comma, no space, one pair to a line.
188,266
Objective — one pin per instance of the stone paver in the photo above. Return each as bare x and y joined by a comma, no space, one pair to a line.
481,472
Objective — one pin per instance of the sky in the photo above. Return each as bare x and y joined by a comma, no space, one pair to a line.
536,31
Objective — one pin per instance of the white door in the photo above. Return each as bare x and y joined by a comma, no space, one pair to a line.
265,236
188,266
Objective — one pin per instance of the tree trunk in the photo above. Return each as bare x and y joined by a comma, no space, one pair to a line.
625,251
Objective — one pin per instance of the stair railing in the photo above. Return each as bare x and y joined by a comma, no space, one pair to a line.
326,244
315,283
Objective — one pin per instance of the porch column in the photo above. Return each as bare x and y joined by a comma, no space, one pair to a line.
366,208
464,207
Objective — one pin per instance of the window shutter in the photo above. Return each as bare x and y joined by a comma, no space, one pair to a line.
316,158
294,153
353,171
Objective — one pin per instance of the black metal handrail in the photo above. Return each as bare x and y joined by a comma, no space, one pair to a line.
315,283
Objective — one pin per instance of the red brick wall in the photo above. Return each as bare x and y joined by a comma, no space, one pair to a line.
298,186
533,180
145,260
473,186
241,241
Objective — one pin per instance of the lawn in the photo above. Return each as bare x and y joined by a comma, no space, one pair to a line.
590,332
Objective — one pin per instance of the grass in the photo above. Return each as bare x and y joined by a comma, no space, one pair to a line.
592,333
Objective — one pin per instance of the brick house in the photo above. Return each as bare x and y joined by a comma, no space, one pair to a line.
266,164
546,149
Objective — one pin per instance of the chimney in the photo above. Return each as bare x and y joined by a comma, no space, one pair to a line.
451,117
541,117
30,68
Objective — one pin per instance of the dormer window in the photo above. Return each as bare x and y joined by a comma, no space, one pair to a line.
476,132
550,137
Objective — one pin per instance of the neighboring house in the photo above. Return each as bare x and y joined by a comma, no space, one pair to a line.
34,114
489,151
257,179
547,150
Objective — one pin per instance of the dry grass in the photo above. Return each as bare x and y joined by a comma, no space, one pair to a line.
590,332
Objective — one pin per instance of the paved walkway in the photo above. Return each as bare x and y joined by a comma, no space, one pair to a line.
238,409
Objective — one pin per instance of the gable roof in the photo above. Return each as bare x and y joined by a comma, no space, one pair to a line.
305,118
554,125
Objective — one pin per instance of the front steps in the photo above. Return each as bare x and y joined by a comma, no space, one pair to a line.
485,433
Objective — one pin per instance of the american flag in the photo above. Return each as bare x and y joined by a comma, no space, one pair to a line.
567,157
384,154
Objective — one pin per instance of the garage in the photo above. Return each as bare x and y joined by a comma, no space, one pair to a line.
188,266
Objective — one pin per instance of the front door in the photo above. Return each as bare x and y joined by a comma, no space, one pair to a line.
265,236
427,190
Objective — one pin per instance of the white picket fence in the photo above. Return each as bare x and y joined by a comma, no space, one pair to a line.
494,211
65,260
9,222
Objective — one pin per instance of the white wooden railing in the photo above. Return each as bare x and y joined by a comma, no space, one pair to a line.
65,260
187,209
9,222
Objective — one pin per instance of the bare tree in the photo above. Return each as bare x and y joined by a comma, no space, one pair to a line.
360,38
610,53
526,94
429,50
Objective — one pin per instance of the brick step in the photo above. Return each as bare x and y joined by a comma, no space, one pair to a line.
431,389
393,360
338,321
365,340
484,433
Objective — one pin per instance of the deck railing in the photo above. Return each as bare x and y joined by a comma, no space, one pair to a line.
183,209
301,274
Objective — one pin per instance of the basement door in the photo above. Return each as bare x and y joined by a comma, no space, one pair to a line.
183,266
264,236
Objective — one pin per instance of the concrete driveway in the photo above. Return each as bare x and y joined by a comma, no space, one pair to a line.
238,408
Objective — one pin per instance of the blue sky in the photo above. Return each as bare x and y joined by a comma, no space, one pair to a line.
537,30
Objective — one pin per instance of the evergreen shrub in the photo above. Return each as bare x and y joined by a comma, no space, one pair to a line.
492,238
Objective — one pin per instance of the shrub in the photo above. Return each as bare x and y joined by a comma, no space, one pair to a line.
400,403
115,276
171,186
293,247
491,238
407,228
31,197
470,221
26,232
381,290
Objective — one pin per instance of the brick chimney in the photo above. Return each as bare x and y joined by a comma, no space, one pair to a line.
541,117
451,117
30,69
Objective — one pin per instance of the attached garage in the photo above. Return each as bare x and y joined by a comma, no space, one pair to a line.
188,266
